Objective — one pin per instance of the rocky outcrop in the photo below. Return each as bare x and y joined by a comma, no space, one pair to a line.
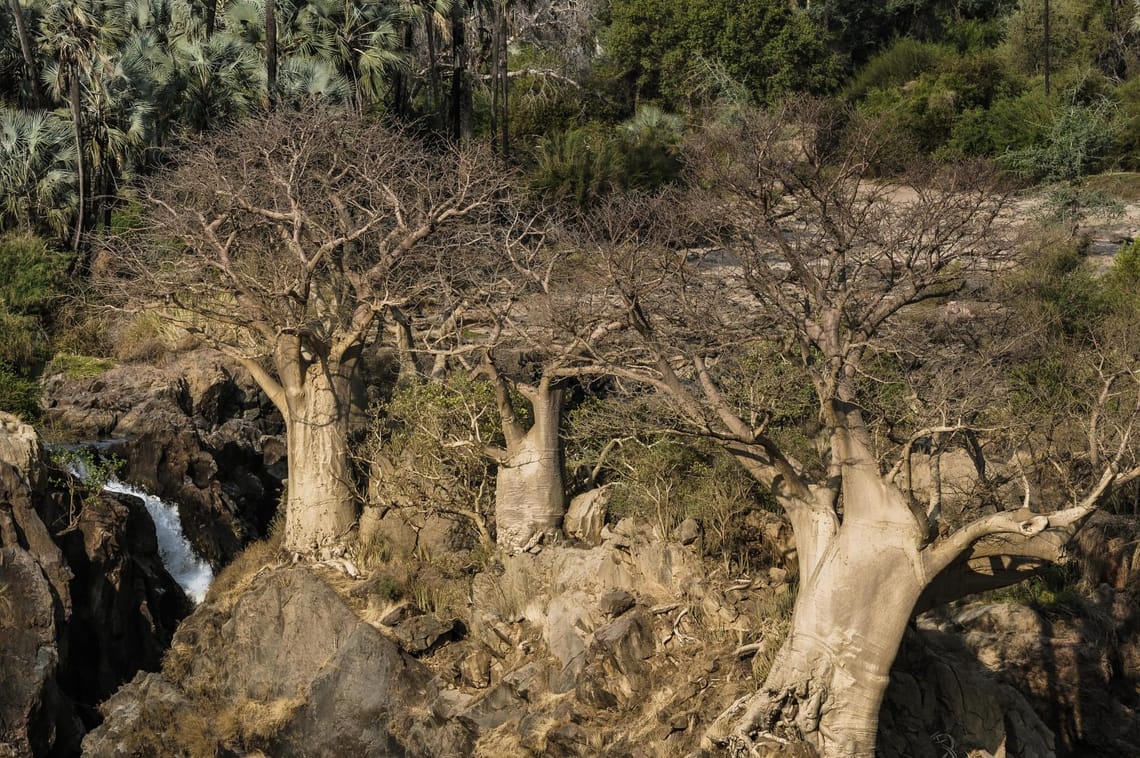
195,431
1077,666
290,670
84,600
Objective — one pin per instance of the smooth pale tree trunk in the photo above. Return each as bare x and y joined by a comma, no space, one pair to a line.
828,680
320,508
859,584
530,500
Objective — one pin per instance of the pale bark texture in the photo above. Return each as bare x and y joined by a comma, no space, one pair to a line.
530,499
320,509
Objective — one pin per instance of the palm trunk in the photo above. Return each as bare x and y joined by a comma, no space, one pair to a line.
271,47
457,64
211,8
27,51
320,508
530,500
81,177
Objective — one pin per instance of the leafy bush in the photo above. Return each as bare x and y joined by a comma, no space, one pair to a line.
427,442
19,395
580,165
768,45
31,285
900,63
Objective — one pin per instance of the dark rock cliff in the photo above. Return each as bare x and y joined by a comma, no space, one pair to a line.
195,431
84,599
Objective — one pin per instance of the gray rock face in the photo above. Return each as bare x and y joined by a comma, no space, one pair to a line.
292,654
188,436
1083,689
587,515
35,716
941,702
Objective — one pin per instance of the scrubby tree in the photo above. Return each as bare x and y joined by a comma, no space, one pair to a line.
287,243
854,281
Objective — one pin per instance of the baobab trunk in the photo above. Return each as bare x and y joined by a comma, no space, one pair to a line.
320,507
529,497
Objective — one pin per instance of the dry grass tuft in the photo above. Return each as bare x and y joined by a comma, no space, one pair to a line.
163,730
253,724
237,578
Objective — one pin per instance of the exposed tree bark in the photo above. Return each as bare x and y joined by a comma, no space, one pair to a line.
31,70
294,247
321,505
530,496
820,267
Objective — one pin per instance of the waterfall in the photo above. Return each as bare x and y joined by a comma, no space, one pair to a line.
192,573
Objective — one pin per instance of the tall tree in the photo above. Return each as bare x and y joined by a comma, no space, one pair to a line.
292,246
830,270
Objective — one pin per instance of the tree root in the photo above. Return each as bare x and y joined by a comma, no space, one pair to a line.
768,723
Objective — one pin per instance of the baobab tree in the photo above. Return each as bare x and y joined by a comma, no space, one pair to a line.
286,243
794,252
505,332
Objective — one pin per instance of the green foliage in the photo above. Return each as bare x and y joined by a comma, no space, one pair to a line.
1011,122
31,286
37,171
78,366
927,109
31,275
664,479
18,394
1024,45
1055,592
902,62
1075,144
767,45
1059,291
429,437
580,165
85,474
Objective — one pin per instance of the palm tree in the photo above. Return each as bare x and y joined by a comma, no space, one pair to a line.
71,33
37,171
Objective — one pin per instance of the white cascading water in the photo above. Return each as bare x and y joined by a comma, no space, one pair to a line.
192,573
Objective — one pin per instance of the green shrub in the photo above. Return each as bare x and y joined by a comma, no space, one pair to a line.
1013,122
78,366
900,63
32,278
580,165
18,394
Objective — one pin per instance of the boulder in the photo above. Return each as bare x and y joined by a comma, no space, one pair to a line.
587,515
942,702
420,635
1079,685
291,670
